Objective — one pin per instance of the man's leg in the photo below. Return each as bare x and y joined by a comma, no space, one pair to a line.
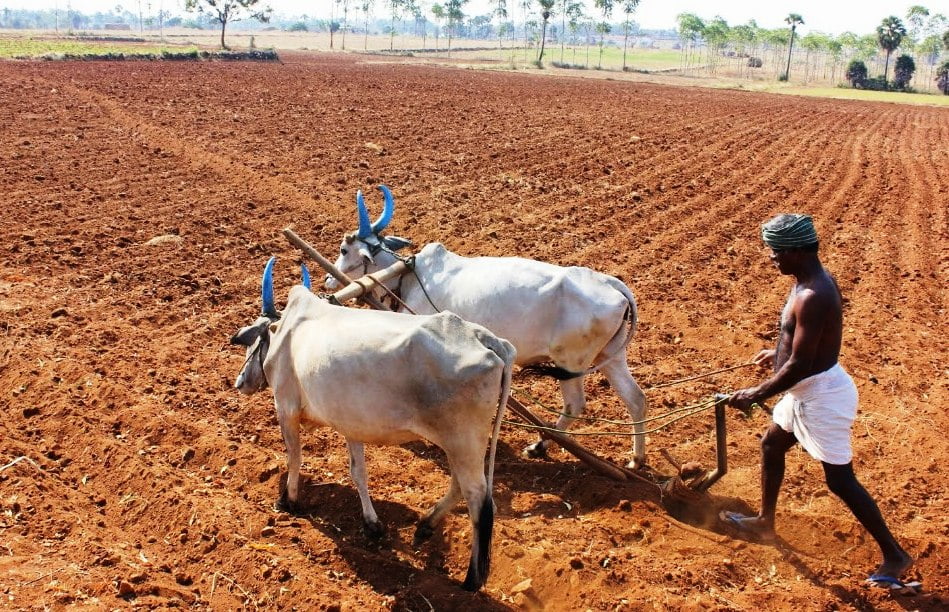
844,484
774,446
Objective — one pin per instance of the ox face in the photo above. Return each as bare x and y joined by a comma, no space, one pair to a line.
256,339
358,250
256,336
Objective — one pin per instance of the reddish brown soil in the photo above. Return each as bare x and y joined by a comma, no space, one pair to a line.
151,482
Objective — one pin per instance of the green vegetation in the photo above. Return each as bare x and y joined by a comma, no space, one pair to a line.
862,94
68,49
27,48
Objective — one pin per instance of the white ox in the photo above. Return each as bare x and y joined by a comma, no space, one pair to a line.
385,378
573,317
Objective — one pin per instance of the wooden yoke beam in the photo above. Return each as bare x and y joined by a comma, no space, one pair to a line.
327,265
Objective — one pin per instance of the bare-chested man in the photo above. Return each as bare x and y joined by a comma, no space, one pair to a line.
820,403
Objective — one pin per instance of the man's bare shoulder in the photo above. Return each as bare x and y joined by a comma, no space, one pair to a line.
820,292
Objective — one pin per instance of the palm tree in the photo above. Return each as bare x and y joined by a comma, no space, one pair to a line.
546,10
792,20
890,34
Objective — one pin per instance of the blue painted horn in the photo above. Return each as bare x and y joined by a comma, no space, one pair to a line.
365,227
266,289
383,221
305,274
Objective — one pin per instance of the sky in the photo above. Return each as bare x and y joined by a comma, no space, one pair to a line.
828,16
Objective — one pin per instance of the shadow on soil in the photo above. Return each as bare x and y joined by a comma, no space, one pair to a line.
334,510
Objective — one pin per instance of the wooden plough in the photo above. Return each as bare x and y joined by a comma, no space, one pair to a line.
361,289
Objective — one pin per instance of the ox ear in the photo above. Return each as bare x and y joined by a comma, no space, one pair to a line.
388,208
394,243
305,274
266,290
365,227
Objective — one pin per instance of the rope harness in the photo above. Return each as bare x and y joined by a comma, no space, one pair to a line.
690,410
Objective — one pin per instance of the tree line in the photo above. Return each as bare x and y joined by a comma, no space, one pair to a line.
710,45
707,46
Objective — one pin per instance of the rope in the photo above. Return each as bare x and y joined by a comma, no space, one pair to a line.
698,376
537,402
410,262
609,421
704,406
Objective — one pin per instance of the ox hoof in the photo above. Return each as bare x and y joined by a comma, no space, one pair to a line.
472,582
423,532
637,464
373,531
290,507
536,451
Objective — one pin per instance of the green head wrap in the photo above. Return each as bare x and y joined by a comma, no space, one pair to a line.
789,231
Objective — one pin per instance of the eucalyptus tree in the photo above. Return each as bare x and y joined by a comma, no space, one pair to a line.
438,11
366,8
835,49
690,27
229,11
525,6
890,34
500,11
814,43
793,20
603,28
589,29
454,12
345,23
744,38
546,10
569,9
916,18
629,7
395,14
415,8
575,11
716,35
776,41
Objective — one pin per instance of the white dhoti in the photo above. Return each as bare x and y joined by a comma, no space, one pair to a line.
820,411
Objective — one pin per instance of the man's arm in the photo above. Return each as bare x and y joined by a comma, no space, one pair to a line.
809,312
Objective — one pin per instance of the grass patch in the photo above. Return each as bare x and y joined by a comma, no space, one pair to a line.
81,48
35,48
862,94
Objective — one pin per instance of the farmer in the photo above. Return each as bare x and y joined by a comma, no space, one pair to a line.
820,402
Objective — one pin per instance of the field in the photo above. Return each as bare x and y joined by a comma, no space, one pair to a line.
142,200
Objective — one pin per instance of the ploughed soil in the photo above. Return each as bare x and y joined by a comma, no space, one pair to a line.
141,200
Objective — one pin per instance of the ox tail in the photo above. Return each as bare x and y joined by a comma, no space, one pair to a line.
480,565
505,350
619,342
